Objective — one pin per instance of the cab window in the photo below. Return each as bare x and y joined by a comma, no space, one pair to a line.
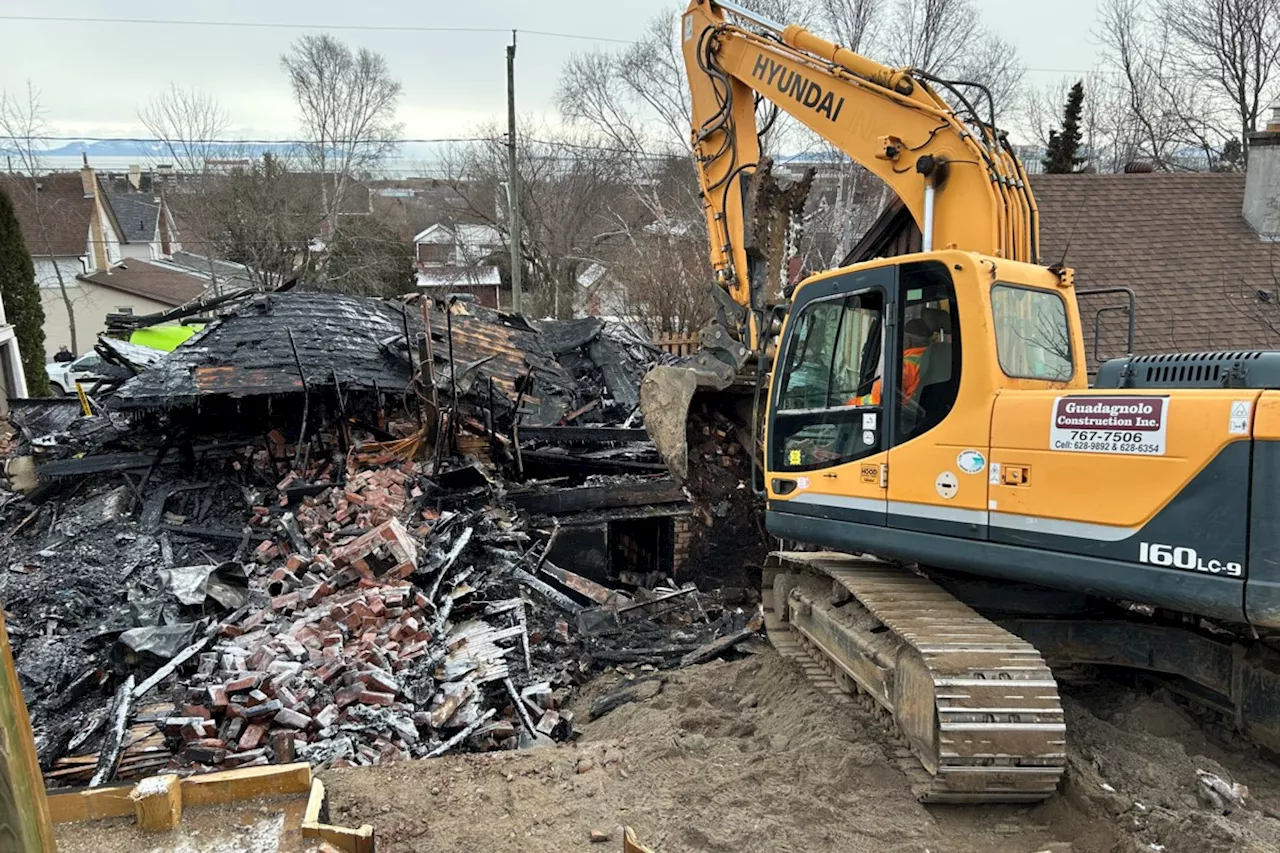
930,348
824,413
1033,339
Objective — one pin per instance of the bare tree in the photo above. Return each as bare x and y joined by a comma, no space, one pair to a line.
852,23
933,35
347,104
1235,44
189,124
1197,74
263,216
24,129
1139,62
660,261
617,95
573,187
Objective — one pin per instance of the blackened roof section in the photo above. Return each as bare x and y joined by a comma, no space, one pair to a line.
250,351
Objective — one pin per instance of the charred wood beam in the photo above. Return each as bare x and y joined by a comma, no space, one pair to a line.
222,534
582,435
139,461
163,672
113,742
550,593
548,463
583,586
599,497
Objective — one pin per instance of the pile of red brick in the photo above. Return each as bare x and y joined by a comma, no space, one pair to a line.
348,662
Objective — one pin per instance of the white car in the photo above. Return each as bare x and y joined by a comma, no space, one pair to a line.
63,375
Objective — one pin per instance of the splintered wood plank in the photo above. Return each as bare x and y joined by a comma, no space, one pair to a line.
24,810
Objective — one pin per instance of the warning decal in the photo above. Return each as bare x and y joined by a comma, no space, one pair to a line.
1134,425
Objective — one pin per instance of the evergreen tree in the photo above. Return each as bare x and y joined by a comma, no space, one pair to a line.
1062,155
21,297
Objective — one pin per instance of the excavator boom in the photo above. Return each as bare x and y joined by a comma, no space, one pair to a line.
954,171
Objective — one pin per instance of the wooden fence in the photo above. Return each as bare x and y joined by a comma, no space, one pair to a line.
676,344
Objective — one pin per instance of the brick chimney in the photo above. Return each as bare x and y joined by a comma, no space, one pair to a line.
1262,180
87,178
99,258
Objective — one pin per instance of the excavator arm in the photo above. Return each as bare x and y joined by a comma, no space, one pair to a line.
952,169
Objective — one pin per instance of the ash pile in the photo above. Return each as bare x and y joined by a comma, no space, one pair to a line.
349,531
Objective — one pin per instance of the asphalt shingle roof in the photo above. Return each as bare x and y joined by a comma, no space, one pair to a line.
137,214
55,219
251,351
142,278
1179,240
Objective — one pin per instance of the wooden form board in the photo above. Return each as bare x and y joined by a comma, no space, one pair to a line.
210,789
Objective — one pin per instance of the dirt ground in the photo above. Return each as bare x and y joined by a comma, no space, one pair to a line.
745,756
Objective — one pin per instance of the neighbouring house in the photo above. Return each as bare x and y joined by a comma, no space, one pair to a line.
70,231
220,276
460,259
147,228
13,383
135,286
117,250
1200,250
600,294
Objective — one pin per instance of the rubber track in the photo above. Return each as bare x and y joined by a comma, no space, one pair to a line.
976,705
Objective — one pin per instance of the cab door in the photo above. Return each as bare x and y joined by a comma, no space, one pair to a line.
827,438
938,470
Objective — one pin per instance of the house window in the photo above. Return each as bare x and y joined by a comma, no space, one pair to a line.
1033,340
435,253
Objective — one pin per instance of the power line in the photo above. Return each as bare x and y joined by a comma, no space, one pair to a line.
306,26
232,142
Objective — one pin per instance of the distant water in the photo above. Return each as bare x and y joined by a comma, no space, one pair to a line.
400,167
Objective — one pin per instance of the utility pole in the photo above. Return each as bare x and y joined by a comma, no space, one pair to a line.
513,181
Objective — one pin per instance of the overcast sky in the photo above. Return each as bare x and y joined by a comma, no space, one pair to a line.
93,76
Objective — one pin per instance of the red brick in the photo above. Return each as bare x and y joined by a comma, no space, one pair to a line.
327,716
292,719
373,697
379,680
288,601
252,737
243,683
217,695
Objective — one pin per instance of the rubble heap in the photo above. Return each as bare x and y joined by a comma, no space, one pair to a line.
186,596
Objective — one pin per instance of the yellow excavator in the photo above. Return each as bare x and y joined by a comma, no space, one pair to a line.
929,420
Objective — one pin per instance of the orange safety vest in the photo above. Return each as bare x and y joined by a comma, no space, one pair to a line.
910,379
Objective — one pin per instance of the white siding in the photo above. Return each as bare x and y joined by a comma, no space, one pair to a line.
47,276
91,304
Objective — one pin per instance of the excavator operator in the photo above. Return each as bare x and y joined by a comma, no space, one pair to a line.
915,339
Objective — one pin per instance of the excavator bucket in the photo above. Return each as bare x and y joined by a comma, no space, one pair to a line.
726,361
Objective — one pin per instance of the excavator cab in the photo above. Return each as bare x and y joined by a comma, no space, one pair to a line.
883,391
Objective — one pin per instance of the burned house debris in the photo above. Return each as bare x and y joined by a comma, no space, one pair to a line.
347,531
